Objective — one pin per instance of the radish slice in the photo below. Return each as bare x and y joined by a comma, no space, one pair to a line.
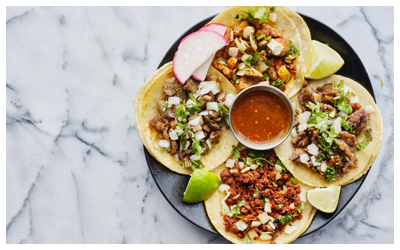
201,73
194,50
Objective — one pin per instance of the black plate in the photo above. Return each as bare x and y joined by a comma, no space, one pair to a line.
173,185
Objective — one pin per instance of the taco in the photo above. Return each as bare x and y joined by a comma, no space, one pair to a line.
337,133
185,127
264,46
259,201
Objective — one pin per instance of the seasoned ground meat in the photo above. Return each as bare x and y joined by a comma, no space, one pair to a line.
214,136
305,95
350,139
159,123
171,86
360,118
267,30
344,147
191,85
301,140
221,97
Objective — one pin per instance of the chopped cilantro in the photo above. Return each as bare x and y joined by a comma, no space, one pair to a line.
277,83
248,239
266,76
280,205
196,165
235,152
320,157
329,138
318,120
181,113
223,109
240,18
330,174
341,102
235,209
196,149
293,48
252,59
339,86
344,124
284,169
273,183
366,140
164,107
264,200
250,15
165,150
313,107
272,9
237,81
284,219
194,107
262,15
294,181
299,207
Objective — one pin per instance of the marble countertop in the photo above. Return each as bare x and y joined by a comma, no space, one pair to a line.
76,172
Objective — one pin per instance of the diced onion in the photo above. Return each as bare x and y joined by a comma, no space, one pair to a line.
164,143
240,45
265,236
332,114
304,117
337,126
293,133
235,197
304,158
369,109
205,87
302,195
291,206
229,99
312,149
253,166
302,127
263,67
248,31
241,225
174,100
354,99
209,143
224,187
187,145
271,225
241,66
245,56
278,176
233,51
272,17
264,218
173,135
212,106
229,163
323,167
199,135
195,157
256,72
170,113
195,121
341,114
241,165
290,229
267,207
284,188
275,47
234,170
256,194
264,83
253,43
204,113
178,129
253,234
255,223
278,168
314,162
190,103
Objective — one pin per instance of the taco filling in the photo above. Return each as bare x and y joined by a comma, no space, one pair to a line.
327,123
257,52
262,199
191,118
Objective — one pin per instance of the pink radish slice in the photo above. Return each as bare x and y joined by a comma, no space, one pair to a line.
201,72
194,50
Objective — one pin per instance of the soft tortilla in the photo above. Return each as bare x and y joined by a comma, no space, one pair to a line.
146,108
365,156
214,208
283,23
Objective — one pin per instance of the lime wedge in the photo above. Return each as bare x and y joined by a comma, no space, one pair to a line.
324,199
201,185
325,61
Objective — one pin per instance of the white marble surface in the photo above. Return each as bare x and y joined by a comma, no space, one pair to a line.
76,172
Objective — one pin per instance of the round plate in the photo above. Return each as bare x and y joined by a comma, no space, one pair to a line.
173,185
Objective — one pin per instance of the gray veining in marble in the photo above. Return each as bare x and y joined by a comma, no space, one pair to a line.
76,171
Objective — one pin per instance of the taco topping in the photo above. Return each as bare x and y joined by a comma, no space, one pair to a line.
262,197
257,52
327,124
191,118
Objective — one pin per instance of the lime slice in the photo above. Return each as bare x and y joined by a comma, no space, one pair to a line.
201,185
324,199
325,61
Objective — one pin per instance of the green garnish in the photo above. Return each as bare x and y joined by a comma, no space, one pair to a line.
284,169
165,107
237,81
264,200
223,109
320,157
235,152
318,120
299,207
260,36
196,165
341,102
294,181
273,183
262,15
248,239
280,205
196,149
245,170
330,174
240,18
268,38
293,48
366,140
258,158
194,107
313,107
266,76
381,83
339,86
181,113
235,209
277,83
344,124
284,219
165,150
250,15
272,9
252,59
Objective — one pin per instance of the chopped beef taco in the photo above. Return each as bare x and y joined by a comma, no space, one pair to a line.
185,126
264,46
337,133
259,201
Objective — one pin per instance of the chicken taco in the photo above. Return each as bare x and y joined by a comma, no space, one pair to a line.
337,133
259,201
185,126
265,46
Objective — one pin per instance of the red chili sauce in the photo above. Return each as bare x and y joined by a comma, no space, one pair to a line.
260,117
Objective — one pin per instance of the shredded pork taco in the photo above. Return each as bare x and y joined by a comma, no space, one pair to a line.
185,126
337,133
259,201
265,46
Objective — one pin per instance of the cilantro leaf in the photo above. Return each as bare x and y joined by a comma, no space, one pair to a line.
284,169
248,239
320,157
272,9
339,86
252,59
293,48
344,124
264,200
196,149
277,83
262,15
294,181
341,102
284,219
235,152
196,165
250,15
235,209
318,120
299,207
330,174
313,107
366,140
273,183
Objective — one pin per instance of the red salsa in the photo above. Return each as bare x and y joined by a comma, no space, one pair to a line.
260,117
